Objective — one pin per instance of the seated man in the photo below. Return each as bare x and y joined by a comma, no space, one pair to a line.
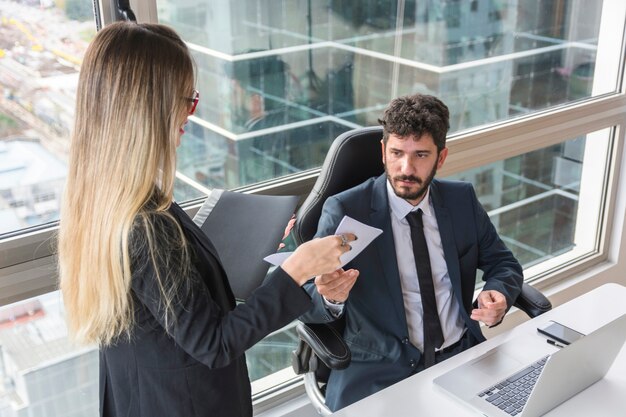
411,306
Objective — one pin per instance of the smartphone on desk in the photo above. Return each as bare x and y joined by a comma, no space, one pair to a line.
559,332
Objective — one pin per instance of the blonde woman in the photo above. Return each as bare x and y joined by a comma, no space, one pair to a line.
138,277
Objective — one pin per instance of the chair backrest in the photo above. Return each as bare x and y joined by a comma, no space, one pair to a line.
353,157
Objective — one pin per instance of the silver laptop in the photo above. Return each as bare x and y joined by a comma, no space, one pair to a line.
518,379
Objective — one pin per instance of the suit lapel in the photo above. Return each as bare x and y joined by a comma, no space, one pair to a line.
191,227
222,293
380,217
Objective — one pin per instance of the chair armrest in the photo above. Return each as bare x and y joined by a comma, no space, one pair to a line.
325,342
532,302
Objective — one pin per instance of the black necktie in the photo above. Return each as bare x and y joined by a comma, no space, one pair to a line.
433,335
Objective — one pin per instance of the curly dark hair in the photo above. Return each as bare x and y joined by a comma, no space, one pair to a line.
415,115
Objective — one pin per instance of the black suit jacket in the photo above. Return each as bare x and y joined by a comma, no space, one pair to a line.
199,369
376,328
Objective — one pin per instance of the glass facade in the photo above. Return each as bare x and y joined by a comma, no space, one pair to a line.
41,373
41,48
272,354
282,79
532,199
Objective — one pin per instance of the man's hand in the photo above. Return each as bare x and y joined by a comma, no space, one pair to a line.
336,286
491,307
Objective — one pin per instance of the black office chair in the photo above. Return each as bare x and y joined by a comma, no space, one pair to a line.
353,157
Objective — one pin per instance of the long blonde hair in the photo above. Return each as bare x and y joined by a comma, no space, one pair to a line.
132,96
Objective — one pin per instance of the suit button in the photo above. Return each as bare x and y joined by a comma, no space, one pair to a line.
412,363
405,341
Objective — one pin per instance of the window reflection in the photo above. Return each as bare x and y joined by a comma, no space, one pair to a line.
289,76
533,199
41,47
41,373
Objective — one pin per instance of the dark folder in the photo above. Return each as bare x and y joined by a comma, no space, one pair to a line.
245,228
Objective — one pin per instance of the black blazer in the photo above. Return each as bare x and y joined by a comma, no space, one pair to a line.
200,369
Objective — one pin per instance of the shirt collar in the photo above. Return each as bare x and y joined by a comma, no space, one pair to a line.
400,207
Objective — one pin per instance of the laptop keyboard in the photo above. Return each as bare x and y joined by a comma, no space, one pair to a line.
511,394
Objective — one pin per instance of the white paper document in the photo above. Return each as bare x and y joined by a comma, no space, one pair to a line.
365,235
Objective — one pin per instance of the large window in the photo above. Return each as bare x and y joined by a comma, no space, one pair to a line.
535,90
283,78
543,202
41,48
41,373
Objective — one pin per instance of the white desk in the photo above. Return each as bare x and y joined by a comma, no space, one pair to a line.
418,396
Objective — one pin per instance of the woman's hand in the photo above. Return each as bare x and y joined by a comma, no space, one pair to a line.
317,257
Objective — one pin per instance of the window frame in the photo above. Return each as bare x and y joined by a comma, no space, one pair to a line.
27,261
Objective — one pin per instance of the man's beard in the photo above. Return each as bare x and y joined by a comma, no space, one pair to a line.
407,194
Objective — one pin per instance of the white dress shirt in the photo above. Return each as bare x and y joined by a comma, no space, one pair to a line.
448,308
